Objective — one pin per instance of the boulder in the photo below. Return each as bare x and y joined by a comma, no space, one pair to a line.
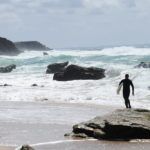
74,72
26,147
7,68
143,65
34,84
45,53
56,67
123,124
31,45
7,47
6,84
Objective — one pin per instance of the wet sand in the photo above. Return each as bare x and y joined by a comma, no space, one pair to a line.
43,125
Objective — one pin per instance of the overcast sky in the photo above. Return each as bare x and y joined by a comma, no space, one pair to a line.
76,23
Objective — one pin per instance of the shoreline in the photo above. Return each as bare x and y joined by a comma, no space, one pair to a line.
44,122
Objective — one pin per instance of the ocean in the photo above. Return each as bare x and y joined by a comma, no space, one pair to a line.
32,65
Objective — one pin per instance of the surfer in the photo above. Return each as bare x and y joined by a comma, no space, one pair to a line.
126,89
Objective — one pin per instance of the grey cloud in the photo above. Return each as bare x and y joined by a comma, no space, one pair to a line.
129,3
74,22
75,6
63,4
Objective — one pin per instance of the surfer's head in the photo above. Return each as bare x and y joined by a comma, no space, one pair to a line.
126,76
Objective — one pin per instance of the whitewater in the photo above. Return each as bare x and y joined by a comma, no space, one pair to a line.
32,65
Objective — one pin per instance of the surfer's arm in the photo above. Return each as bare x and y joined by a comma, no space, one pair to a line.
121,82
132,87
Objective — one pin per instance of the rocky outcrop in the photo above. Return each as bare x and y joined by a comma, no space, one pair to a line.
143,65
74,72
26,147
7,47
7,68
34,84
122,124
56,67
31,45
45,53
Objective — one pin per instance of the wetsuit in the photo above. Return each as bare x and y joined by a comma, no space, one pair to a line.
126,91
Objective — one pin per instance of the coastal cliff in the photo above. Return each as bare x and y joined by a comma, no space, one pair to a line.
7,47
31,45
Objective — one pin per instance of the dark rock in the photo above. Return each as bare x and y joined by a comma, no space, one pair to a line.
7,68
79,135
121,125
7,84
31,45
143,65
74,72
45,53
44,99
7,47
34,84
26,147
56,67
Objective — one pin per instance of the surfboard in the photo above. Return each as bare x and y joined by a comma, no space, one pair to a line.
119,88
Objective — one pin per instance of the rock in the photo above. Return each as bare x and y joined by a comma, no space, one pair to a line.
7,47
123,124
6,84
45,53
143,65
74,72
56,67
26,147
44,99
34,84
31,45
7,68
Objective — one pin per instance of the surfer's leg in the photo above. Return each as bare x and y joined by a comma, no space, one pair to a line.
126,101
126,94
129,103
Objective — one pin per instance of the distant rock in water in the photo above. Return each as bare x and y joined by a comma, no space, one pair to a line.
7,68
143,65
123,124
31,45
34,84
56,67
6,84
7,47
74,72
45,53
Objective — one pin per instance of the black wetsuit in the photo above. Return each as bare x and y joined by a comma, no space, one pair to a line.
126,91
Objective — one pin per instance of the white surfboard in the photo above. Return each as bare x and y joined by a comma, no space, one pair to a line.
119,88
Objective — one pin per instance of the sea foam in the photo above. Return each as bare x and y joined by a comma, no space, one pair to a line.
31,68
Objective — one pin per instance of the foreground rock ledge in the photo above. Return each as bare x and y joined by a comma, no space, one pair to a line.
123,124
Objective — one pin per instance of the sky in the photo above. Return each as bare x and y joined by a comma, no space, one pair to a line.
76,23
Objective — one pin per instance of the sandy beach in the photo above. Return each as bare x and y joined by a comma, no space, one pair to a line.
43,126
